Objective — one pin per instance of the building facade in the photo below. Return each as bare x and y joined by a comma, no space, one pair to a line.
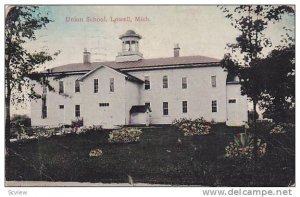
107,93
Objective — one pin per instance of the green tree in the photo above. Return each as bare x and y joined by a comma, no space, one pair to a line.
278,98
251,21
21,23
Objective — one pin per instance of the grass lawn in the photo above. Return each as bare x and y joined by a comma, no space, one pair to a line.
156,159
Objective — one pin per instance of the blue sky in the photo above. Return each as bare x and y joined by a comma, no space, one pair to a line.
199,30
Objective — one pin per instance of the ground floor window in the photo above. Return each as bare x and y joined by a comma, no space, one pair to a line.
148,104
44,107
184,106
104,104
77,110
165,108
214,106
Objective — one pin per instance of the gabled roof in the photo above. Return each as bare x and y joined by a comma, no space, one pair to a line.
143,63
139,109
127,76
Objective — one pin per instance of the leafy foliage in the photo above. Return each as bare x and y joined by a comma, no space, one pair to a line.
191,127
21,23
243,145
125,135
20,120
251,21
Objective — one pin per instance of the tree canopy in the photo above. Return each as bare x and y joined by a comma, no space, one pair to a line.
21,24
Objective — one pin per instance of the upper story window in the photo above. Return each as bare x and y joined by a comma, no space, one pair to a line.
147,82
165,108
104,104
77,110
184,83
213,81
111,85
77,86
61,106
214,106
96,85
184,106
165,81
61,87
232,101
44,89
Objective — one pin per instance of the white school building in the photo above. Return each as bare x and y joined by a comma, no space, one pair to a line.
134,90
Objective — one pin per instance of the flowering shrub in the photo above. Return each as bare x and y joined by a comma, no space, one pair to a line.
277,129
96,153
243,145
125,135
191,127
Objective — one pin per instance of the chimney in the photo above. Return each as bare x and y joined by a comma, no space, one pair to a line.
86,57
176,50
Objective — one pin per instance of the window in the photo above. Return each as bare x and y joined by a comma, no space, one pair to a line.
214,81
165,108
77,86
214,107
148,104
96,85
111,85
77,110
232,101
61,87
103,104
147,82
184,83
184,106
61,106
165,81
44,89
44,107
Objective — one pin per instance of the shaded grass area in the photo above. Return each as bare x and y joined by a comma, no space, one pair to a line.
156,159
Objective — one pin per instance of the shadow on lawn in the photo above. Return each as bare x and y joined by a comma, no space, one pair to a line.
156,159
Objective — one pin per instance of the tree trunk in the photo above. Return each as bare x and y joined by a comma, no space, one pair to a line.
7,104
7,120
255,148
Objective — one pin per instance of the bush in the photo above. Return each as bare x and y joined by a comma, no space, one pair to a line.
20,120
243,146
77,123
125,135
191,127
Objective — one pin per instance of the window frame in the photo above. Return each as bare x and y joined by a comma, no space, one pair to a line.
231,101
44,107
213,79
147,85
111,85
61,88
77,111
44,89
77,86
184,107
214,106
96,85
165,82
165,108
184,84
103,104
